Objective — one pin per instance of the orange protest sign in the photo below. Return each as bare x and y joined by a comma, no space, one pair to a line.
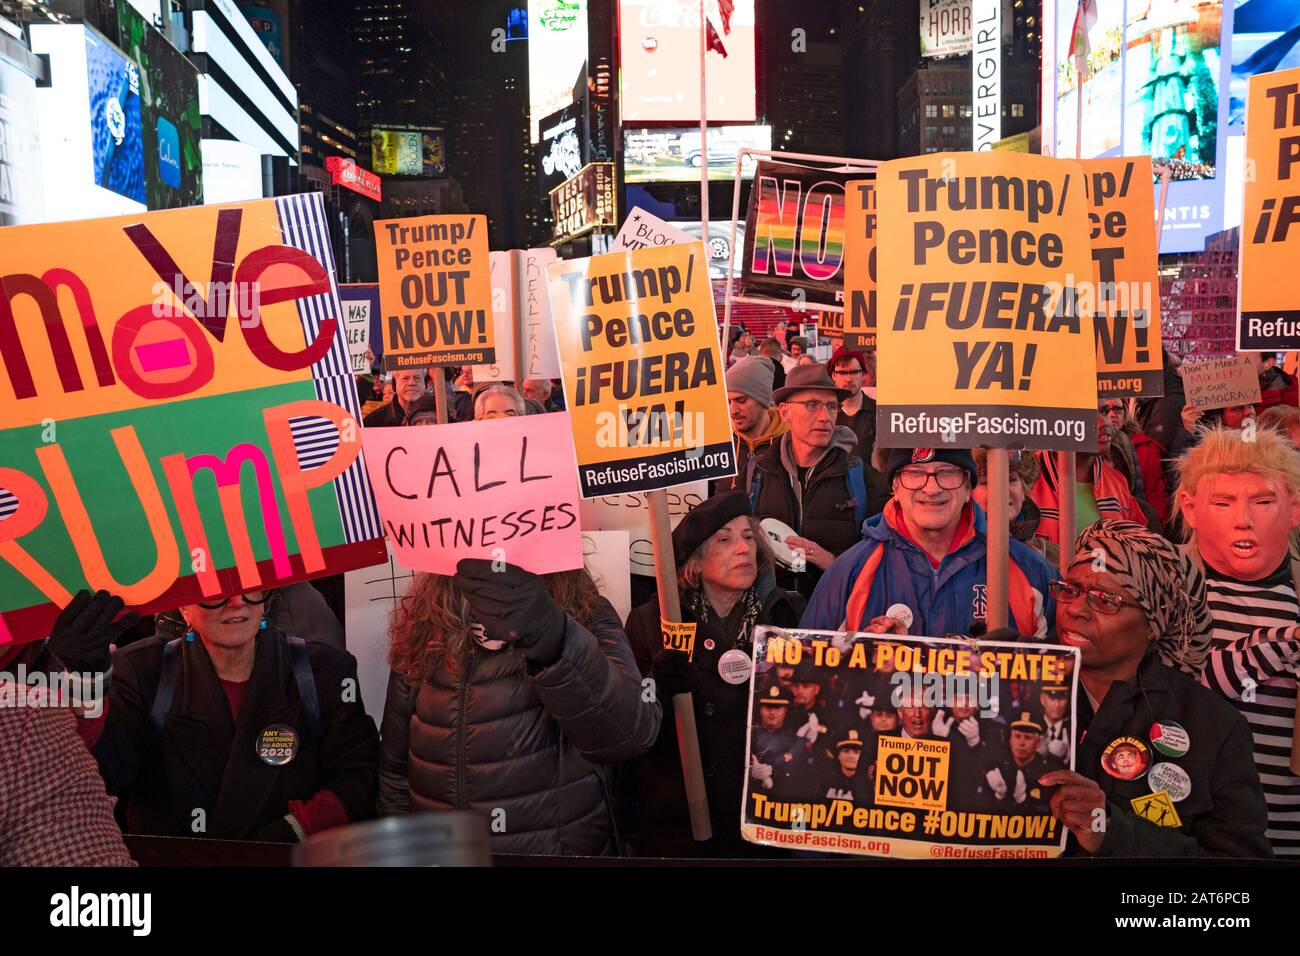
678,637
1268,314
980,338
435,291
643,383
1125,291
859,321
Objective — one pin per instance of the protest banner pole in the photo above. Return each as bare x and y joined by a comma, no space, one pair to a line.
688,741
704,130
998,538
440,393
1066,461
728,295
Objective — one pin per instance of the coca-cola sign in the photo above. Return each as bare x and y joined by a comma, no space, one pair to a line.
660,55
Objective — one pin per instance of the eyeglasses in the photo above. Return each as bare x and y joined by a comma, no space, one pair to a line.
848,371
948,479
252,597
832,408
1101,601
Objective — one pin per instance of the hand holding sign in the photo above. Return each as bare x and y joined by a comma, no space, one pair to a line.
1076,803
514,606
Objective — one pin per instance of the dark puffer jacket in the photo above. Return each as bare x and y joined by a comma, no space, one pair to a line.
498,735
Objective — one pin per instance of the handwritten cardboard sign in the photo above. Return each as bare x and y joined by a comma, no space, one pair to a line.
642,230
501,490
630,513
1221,382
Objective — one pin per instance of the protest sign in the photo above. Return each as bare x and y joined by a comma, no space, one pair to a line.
794,235
1124,295
642,369
858,323
542,359
371,594
358,299
435,291
360,307
131,402
501,489
1221,382
1268,313
501,268
922,748
369,597
605,555
643,230
980,338
631,513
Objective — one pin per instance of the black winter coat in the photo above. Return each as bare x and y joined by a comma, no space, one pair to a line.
523,747
1224,813
203,760
721,718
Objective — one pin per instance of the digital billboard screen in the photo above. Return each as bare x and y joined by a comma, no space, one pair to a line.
116,120
408,152
1154,85
561,146
660,56
557,54
172,125
674,155
1265,38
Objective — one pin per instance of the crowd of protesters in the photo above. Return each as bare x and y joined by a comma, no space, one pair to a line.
525,699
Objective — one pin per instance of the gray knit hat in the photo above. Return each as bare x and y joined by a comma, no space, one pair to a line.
753,376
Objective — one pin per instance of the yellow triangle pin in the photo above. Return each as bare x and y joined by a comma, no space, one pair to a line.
1156,808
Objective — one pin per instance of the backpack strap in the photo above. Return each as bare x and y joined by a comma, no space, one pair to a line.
162,698
858,489
306,683
753,482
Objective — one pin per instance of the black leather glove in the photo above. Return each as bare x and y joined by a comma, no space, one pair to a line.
86,627
673,674
514,606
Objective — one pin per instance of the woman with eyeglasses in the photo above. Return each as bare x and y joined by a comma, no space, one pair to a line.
237,731
1186,785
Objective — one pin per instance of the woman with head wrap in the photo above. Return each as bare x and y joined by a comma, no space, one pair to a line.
1134,605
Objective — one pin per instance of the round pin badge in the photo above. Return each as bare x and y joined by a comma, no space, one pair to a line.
709,644
900,613
277,745
1126,758
734,666
1169,738
1172,779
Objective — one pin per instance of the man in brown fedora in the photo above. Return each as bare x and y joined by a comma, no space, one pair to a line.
811,481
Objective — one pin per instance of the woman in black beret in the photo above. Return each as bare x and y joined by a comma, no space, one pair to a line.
727,587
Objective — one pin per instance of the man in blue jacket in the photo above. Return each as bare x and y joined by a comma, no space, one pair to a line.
927,552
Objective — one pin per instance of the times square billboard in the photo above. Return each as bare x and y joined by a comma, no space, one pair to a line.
1167,78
